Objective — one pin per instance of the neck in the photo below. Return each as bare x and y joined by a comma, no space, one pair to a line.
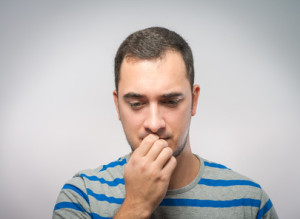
186,170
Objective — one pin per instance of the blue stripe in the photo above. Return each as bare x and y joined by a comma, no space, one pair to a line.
115,182
215,165
264,209
114,164
78,191
219,182
71,205
102,197
77,207
211,203
97,216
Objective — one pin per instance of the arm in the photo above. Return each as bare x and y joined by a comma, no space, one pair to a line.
267,210
147,176
72,201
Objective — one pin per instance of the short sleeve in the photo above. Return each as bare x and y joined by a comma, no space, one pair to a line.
72,201
267,210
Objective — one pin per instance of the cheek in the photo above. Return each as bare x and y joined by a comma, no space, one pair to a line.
179,120
183,112
130,121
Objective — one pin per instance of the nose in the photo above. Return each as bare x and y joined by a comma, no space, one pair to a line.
154,122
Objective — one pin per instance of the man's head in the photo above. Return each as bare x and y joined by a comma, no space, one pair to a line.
152,43
154,93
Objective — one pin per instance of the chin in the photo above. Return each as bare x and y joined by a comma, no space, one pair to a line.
180,148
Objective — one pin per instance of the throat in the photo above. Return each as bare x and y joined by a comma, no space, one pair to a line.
186,171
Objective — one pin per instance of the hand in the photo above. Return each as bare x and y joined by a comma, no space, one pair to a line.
147,176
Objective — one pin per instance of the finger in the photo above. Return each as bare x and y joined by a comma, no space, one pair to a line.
146,144
156,149
169,167
164,156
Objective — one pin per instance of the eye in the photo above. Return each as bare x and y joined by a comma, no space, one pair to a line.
171,103
136,105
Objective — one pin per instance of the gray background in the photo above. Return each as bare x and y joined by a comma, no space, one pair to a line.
56,108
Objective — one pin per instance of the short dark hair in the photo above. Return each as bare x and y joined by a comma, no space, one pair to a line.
152,43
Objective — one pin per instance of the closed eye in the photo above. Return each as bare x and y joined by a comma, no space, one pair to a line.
136,105
172,102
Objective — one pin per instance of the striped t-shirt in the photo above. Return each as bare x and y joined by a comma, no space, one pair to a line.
216,192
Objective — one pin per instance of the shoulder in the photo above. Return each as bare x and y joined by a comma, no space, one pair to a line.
82,193
93,181
112,170
224,183
223,179
218,171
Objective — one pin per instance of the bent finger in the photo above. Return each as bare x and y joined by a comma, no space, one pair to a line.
169,167
164,157
146,144
155,150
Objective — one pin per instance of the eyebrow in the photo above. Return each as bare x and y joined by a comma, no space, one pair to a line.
136,95
171,95
133,95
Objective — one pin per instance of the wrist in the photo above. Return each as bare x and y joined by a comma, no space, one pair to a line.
133,210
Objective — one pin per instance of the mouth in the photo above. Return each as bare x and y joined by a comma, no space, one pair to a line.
166,138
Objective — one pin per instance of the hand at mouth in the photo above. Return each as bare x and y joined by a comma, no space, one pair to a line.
164,137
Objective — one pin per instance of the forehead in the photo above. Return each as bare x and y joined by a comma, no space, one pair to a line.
154,76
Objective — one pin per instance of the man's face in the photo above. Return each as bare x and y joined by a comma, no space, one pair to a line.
155,96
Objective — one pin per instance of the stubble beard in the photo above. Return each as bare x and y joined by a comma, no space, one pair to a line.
178,151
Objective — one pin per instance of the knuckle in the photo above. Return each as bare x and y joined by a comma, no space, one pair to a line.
160,144
153,173
133,160
167,152
146,141
157,146
150,139
164,177
143,166
163,142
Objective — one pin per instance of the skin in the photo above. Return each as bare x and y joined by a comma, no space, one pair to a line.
155,104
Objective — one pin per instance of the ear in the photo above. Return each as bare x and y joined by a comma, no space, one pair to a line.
195,96
115,95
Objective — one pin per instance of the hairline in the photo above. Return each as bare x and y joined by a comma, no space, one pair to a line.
133,57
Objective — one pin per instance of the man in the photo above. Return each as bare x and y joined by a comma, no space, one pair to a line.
155,98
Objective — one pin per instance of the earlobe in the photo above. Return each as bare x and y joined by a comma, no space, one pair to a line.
115,95
195,94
